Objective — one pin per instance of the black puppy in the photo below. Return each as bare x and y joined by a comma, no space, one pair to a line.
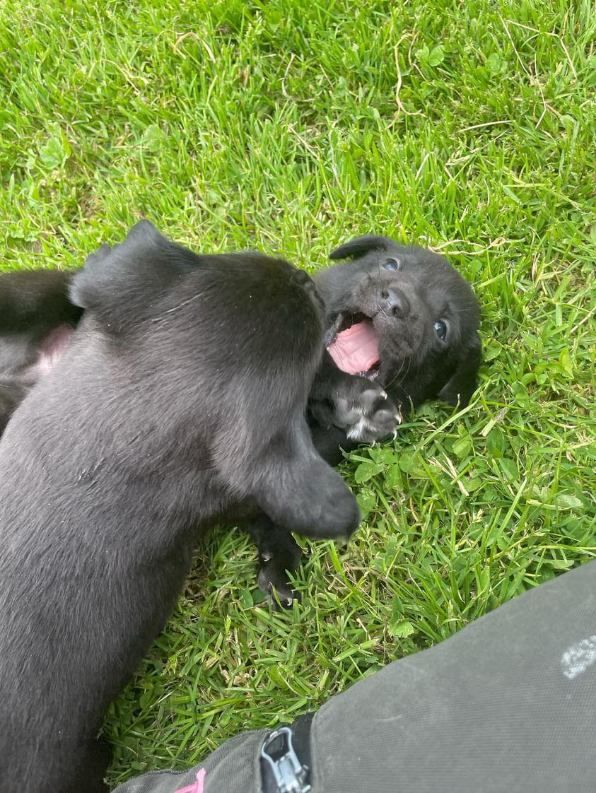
180,399
398,316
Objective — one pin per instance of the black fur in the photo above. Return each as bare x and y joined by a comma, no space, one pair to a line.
403,304
32,305
180,399
344,410
416,365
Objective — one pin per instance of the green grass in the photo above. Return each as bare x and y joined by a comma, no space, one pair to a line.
291,125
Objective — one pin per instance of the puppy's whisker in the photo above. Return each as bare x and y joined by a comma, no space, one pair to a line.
396,375
461,311
400,373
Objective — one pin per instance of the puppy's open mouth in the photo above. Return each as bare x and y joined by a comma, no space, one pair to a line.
355,347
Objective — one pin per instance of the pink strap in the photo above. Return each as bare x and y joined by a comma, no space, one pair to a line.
196,787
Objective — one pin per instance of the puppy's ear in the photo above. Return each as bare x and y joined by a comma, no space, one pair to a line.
462,384
108,269
359,246
116,284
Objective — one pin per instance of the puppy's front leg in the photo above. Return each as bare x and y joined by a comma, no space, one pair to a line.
298,492
279,555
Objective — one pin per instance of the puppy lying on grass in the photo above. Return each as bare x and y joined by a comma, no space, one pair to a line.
179,400
400,318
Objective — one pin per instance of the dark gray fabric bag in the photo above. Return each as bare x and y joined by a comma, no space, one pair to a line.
508,704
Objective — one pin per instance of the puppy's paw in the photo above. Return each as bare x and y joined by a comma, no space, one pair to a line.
361,408
274,582
372,416
279,554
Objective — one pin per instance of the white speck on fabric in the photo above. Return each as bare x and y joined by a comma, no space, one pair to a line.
577,658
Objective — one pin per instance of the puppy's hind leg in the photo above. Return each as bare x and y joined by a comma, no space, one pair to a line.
279,555
95,758
70,767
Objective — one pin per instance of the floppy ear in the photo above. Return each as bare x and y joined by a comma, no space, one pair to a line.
117,283
360,246
462,384
107,270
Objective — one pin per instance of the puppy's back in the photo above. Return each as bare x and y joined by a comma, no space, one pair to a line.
111,462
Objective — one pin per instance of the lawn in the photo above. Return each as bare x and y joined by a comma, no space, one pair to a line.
290,126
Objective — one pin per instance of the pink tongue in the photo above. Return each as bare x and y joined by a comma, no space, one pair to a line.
355,350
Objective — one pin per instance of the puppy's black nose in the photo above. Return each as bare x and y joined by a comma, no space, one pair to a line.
395,302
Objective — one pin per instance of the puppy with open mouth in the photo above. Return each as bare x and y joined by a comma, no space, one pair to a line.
402,318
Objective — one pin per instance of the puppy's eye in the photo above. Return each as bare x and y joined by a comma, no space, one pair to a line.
440,329
391,264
